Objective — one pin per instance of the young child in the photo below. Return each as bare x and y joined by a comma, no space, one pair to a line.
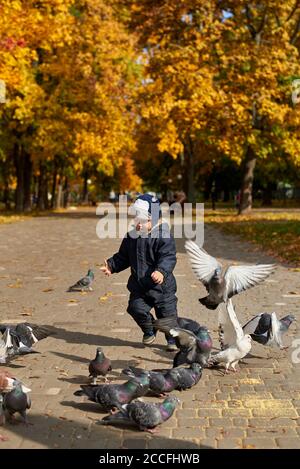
149,250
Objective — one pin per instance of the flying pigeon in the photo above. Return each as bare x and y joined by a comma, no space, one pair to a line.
193,347
8,382
235,345
84,283
17,401
143,414
266,329
112,396
19,339
159,383
100,366
221,286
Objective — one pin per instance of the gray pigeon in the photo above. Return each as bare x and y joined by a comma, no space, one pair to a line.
84,283
100,366
180,377
235,345
143,414
159,383
17,401
112,396
221,286
193,348
188,377
266,329
19,339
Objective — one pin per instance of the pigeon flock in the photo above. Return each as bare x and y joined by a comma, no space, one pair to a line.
124,402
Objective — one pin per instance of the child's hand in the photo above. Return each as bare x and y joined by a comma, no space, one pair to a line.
105,268
157,277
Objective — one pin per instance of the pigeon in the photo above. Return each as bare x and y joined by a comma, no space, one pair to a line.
159,383
112,396
17,401
235,345
19,339
266,329
9,382
84,283
100,366
221,286
180,377
143,414
193,347
188,377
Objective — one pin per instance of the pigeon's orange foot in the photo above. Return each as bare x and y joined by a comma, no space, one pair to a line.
151,430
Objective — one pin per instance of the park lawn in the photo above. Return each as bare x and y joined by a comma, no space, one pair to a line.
277,233
9,218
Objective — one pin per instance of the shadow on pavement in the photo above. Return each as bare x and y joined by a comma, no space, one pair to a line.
61,432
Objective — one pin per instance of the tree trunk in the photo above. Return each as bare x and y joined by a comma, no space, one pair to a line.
189,170
53,191
27,182
84,195
6,194
19,194
267,195
66,192
247,182
41,188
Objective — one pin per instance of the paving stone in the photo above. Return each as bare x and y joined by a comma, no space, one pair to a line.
288,442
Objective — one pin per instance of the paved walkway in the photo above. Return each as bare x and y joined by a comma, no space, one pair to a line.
257,408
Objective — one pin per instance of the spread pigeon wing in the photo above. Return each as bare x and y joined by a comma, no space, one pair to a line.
230,330
187,339
242,277
250,326
275,336
203,265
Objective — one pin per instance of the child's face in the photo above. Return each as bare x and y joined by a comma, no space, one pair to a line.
142,225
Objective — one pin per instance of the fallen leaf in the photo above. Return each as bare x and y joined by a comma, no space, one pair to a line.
47,289
28,313
73,301
103,298
15,285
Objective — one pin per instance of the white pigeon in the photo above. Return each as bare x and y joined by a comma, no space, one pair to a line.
221,286
235,345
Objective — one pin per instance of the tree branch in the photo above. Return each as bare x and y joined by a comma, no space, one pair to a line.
297,4
295,33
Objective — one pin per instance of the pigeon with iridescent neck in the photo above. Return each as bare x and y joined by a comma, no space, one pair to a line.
100,366
145,415
84,283
16,401
266,329
194,347
112,396
159,383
